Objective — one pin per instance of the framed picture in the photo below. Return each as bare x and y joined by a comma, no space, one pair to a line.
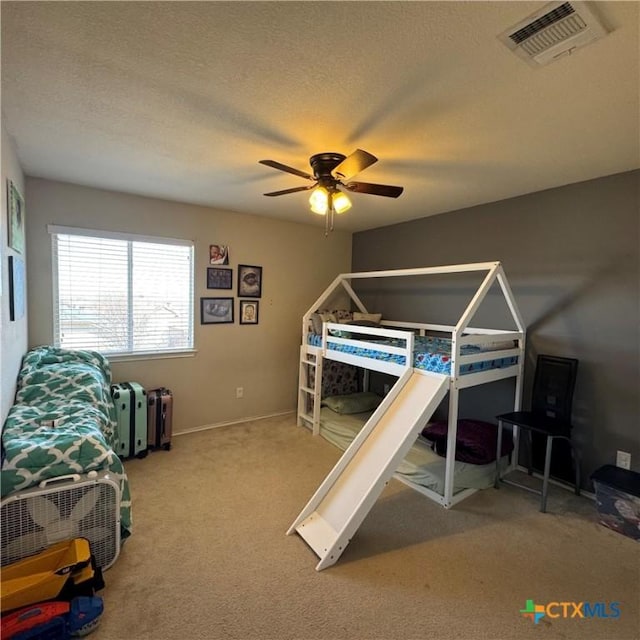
249,281
249,311
218,254
15,215
218,278
216,310
16,288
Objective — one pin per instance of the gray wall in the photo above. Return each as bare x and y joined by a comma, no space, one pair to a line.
571,257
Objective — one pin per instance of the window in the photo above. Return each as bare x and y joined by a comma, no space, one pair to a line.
121,294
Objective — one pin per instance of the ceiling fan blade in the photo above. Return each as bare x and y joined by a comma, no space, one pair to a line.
283,167
375,189
293,190
358,161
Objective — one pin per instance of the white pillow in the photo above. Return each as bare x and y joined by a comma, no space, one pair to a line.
371,317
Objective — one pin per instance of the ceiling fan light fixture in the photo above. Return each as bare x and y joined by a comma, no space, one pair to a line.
319,201
332,172
341,202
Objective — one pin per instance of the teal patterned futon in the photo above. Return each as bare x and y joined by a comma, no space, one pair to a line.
62,422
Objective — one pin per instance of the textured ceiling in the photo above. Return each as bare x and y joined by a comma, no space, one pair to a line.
179,100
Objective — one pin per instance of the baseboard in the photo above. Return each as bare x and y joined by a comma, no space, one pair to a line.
557,483
216,425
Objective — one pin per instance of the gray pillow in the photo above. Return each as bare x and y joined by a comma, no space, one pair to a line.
364,323
316,323
353,402
318,318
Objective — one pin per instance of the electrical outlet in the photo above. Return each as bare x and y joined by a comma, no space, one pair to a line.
623,460
239,392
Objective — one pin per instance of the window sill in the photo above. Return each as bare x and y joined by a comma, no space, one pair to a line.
131,357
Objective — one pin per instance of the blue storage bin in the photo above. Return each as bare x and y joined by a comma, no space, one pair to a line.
618,498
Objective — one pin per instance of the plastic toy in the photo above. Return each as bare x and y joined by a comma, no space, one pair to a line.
54,620
62,571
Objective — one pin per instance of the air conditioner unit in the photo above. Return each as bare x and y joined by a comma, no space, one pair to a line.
555,31
72,506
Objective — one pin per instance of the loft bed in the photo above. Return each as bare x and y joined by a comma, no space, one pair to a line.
430,361
465,355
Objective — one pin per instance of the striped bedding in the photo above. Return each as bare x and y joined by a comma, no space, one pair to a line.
429,354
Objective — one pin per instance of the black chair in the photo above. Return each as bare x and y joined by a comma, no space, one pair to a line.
550,416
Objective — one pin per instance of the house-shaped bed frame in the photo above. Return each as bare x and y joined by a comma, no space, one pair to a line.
342,501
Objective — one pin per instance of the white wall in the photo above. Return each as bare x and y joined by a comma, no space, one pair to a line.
13,335
298,263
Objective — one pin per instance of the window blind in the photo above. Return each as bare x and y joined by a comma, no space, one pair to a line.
121,295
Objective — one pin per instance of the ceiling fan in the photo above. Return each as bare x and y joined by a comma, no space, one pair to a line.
331,172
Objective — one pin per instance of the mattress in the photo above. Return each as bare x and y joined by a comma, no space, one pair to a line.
421,465
429,354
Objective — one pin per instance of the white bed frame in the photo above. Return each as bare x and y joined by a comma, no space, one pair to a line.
311,358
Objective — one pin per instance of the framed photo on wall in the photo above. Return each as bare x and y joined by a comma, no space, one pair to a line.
15,215
249,281
216,310
16,288
218,254
218,278
249,311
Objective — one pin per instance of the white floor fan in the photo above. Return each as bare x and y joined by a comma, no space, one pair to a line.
73,506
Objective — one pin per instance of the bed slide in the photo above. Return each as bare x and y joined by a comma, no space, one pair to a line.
343,500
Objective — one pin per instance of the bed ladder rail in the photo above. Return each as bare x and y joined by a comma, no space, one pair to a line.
342,501
309,390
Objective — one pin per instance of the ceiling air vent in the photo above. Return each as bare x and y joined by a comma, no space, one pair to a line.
554,31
